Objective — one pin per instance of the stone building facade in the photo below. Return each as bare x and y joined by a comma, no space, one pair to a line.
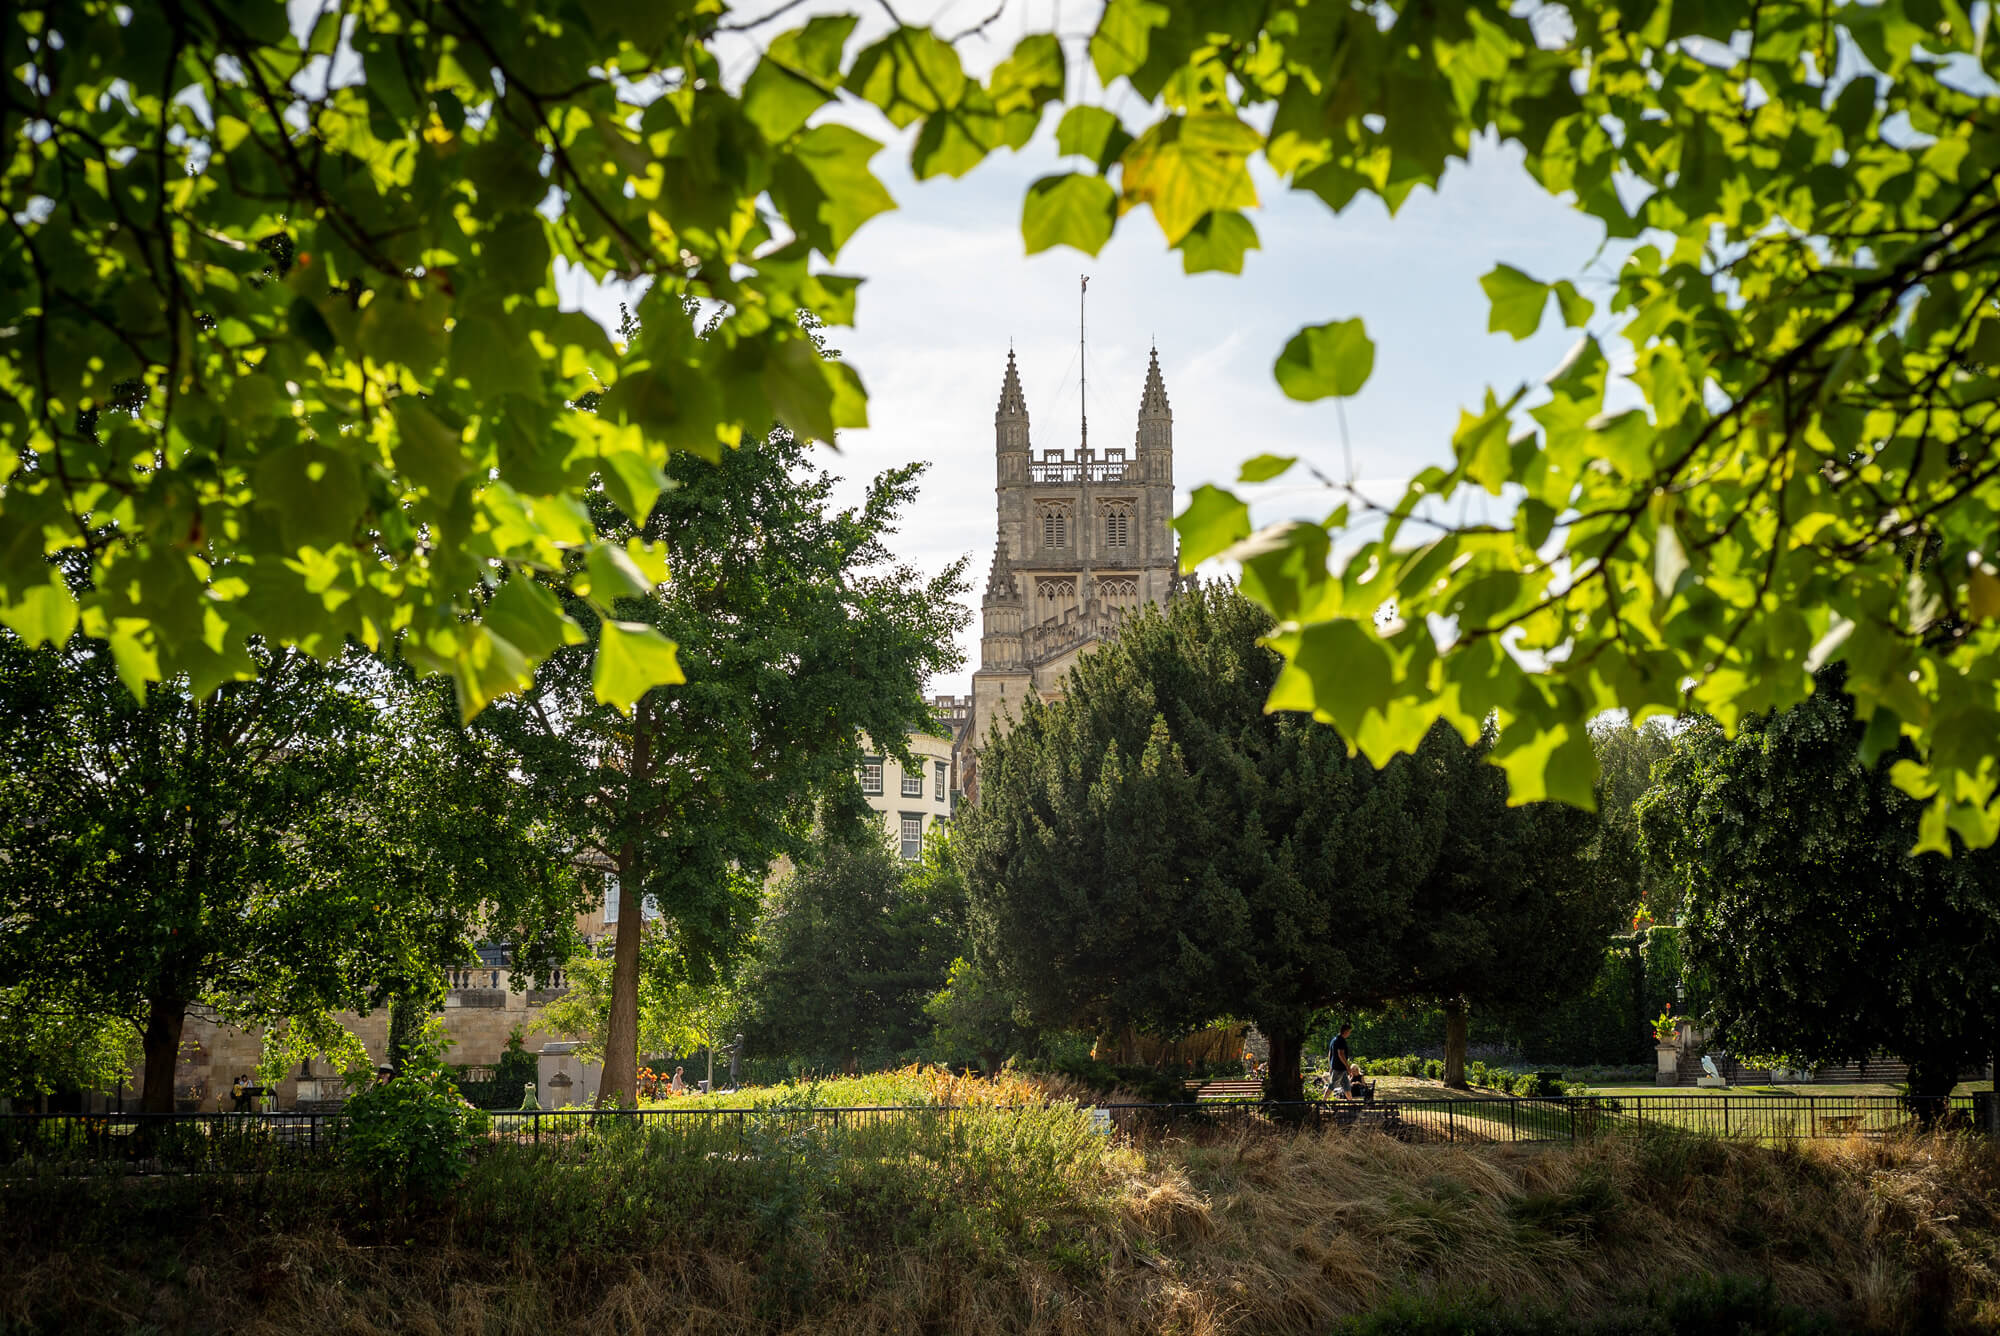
1084,538
912,799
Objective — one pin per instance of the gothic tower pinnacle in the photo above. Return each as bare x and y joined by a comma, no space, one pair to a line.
1012,402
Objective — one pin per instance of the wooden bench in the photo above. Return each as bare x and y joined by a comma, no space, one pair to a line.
1240,1089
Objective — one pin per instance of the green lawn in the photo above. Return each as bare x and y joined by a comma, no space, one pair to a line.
1786,1091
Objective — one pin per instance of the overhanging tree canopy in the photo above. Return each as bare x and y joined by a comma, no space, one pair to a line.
287,357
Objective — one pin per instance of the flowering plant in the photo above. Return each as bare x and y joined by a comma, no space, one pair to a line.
1665,1024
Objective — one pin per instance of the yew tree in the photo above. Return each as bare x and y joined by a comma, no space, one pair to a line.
797,634
1154,849
317,839
1820,936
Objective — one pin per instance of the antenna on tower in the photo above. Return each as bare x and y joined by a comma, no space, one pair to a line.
1082,392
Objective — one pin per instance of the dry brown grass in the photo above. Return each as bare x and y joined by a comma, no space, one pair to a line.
1244,1234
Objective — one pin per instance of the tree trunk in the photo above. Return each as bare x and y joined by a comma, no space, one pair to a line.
164,1019
1282,1080
1454,1043
1993,1099
1930,1089
620,1083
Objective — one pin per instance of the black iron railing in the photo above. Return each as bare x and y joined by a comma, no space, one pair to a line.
260,1142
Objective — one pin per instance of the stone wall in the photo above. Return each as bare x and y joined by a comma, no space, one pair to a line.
214,1055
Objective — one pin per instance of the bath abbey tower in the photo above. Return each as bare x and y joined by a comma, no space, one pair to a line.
1085,537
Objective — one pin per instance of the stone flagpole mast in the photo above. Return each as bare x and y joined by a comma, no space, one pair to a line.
1082,380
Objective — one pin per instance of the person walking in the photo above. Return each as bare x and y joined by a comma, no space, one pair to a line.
1338,1060
679,1086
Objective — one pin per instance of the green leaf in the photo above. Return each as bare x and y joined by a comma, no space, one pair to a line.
308,324
1073,210
1481,444
631,479
1093,133
1544,759
1284,568
428,452
486,665
316,491
1124,31
1213,521
1263,468
1518,301
1337,671
1188,166
1031,78
778,100
814,50
836,157
956,140
632,658
1330,359
910,74
44,614
1217,243
1575,307
528,617
613,575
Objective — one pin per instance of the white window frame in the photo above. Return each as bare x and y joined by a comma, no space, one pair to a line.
913,784
871,776
939,796
911,851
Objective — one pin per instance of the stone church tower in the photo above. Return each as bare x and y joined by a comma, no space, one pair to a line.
1084,538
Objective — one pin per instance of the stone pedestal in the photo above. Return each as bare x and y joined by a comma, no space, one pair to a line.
1669,1072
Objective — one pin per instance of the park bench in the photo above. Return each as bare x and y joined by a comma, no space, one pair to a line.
1241,1089
1354,1115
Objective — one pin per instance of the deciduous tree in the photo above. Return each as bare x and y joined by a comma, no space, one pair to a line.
320,838
1819,935
797,634
1511,911
850,948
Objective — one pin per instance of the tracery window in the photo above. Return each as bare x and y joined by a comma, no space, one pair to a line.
1055,524
1117,523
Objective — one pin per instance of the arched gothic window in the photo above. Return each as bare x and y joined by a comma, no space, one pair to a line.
1055,526
1117,523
